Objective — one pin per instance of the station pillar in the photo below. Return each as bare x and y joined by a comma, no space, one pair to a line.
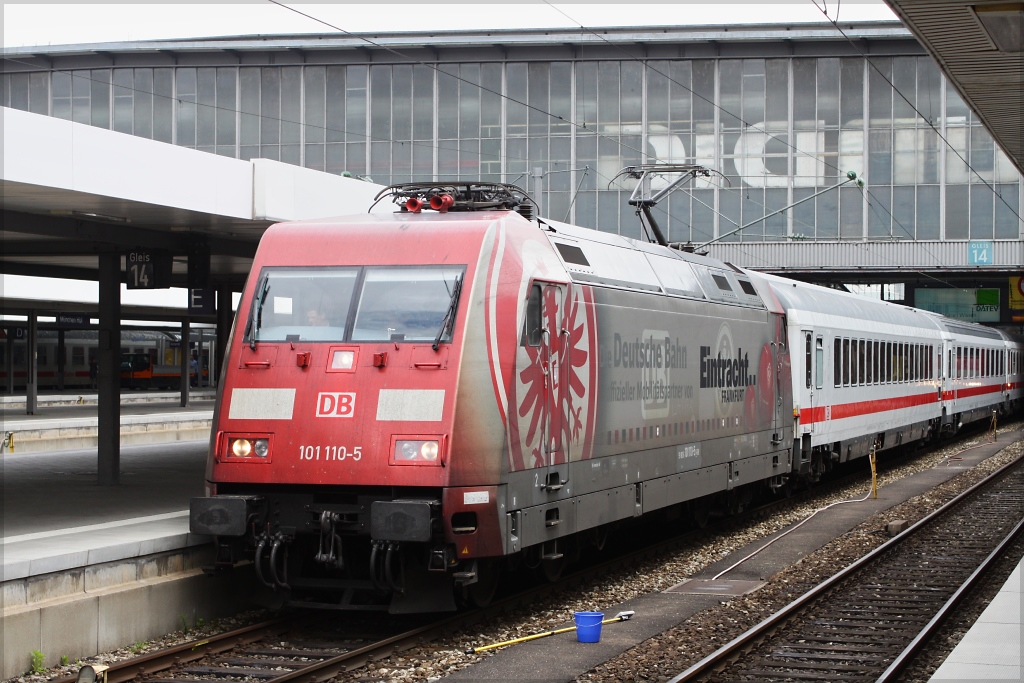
32,364
186,357
108,357
9,360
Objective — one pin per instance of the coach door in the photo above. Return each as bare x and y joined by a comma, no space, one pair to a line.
812,364
778,351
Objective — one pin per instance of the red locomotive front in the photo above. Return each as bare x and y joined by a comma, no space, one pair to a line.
333,464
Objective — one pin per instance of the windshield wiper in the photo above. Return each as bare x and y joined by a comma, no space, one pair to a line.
256,320
449,317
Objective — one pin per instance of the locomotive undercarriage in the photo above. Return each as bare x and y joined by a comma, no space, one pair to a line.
375,549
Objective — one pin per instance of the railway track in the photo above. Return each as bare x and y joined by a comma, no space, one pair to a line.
870,620
296,647
300,647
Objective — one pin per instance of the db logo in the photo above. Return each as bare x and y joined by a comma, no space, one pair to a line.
333,404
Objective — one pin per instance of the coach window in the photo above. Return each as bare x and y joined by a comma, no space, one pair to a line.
880,352
837,362
859,379
877,378
532,324
887,359
867,361
846,362
807,360
819,362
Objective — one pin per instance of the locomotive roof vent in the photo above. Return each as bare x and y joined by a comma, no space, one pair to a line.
467,196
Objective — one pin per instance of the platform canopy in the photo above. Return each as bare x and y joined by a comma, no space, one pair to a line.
71,191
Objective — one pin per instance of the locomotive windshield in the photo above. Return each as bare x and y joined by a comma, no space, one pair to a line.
397,303
405,304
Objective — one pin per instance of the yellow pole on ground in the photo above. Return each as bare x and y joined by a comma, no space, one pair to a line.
621,616
874,475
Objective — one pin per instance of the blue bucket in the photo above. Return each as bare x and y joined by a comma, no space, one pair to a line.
588,626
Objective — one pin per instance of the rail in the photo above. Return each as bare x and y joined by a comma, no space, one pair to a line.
754,640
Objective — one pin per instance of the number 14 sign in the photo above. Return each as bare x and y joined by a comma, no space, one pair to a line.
979,253
147,269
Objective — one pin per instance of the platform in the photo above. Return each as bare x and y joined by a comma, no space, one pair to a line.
87,568
991,650
68,420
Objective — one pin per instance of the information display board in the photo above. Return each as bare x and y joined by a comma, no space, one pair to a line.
974,305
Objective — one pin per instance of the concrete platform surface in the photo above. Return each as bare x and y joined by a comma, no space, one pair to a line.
991,650
61,422
88,568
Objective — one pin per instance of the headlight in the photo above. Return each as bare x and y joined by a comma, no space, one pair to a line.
417,452
252,447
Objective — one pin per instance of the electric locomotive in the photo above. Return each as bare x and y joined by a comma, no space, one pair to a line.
413,401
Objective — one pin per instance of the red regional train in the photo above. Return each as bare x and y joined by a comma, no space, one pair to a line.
414,402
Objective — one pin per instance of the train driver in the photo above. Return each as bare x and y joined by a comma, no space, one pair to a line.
316,318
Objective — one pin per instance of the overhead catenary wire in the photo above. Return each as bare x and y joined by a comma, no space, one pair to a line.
76,73
505,156
460,78
647,66
835,23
